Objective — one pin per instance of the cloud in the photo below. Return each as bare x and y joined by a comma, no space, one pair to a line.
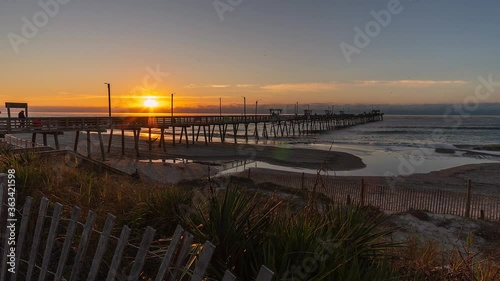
302,87
193,86
60,97
245,85
220,86
335,85
409,83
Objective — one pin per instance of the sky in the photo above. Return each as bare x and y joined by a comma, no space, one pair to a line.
59,53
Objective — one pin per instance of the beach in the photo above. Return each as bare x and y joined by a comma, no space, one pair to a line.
400,151
420,190
436,170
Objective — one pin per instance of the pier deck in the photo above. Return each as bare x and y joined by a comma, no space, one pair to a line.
191,127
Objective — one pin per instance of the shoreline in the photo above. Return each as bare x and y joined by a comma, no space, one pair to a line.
344,162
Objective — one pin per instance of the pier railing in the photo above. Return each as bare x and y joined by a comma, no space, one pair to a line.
50,246
57,124
52,124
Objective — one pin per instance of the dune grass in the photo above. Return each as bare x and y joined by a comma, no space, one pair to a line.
320,241
427,261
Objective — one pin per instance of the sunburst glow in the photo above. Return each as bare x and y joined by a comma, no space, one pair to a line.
150,102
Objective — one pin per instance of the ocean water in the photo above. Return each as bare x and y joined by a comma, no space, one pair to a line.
404,145
386,147
420,131
432,131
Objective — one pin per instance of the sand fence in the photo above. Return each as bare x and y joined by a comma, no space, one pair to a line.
397,199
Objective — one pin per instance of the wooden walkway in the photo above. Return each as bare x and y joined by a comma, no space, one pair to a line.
187,129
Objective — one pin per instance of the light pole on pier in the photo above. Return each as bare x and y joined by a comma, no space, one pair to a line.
220,106
256,105
172,104
109,99
245,107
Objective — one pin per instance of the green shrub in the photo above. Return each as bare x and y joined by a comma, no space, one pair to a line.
340,243
160,210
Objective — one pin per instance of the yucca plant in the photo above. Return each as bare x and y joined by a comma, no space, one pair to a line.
160,210
236,223
340,243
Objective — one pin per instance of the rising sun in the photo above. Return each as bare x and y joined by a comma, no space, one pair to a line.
150,102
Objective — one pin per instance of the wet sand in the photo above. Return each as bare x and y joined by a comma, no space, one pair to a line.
485,177
292,157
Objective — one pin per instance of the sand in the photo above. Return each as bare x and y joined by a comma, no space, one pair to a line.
150,165
448,232
486,177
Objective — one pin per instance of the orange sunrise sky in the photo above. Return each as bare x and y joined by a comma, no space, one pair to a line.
274,52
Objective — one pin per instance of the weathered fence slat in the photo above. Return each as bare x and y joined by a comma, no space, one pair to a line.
67,242
170,253
140,258
265,274
460,205
413,200
449,203
117,256
36,237
22,233
439,207
3,228
432,199
475,206
181,255
3,188
228,276
362,193
101,247
203,261
385,196
404,200
497,211
398,200
429,197
5,241
468,201
407,202
453,201
82,247
442,205
50,241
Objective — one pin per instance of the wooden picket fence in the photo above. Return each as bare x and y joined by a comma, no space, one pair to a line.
33,266
387,198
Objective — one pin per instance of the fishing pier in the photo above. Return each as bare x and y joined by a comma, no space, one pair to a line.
185,129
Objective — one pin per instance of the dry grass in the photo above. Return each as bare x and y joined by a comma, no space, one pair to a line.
84,186
426,261
138,203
